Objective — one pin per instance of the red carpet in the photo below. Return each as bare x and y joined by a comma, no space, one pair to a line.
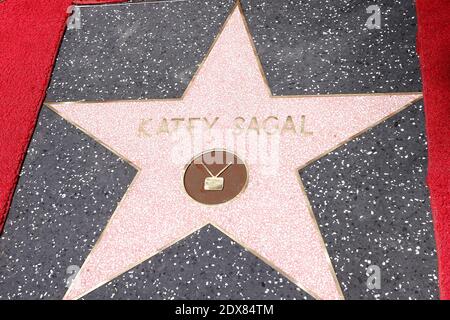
31,31
434,51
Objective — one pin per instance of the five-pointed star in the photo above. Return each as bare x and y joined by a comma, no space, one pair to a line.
271,217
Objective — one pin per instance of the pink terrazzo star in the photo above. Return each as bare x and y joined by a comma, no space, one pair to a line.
271,217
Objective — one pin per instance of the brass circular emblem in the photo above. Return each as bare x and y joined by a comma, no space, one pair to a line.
215,177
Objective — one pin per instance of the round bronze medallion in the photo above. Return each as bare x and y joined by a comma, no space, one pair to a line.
215,177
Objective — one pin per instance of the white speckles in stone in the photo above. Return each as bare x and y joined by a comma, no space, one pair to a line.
381,214
321,47
151,50
135,51
205,265
62,203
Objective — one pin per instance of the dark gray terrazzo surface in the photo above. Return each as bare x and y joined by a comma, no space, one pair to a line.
70,185
205,265
151,50
372,205
68,188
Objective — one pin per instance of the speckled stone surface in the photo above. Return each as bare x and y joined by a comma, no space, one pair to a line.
134,51
205,265
151,50
372,205
324,46
68,189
